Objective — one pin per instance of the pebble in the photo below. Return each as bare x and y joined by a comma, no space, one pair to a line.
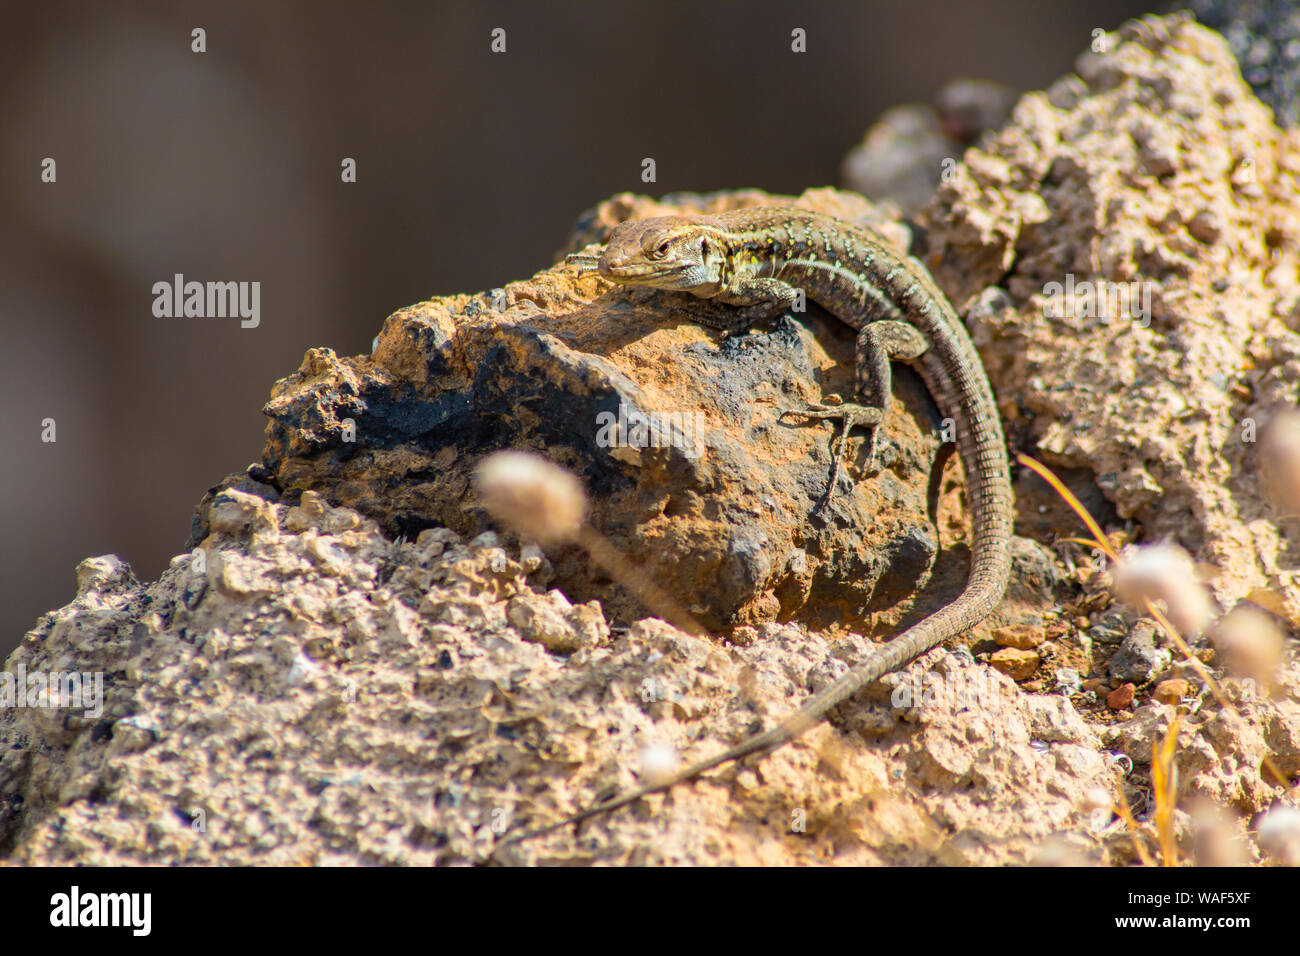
1121,696
1018,638
1016,663
1171,691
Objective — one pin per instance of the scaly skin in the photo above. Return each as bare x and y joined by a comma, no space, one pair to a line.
757,259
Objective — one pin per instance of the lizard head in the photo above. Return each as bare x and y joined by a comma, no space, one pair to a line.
667,252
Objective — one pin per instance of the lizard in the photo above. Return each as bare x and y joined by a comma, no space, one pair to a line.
752,263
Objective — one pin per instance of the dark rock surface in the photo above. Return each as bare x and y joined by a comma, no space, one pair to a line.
719,517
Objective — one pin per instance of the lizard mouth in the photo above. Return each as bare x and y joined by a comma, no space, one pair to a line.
643,272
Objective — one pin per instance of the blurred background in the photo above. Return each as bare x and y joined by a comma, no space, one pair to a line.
471,168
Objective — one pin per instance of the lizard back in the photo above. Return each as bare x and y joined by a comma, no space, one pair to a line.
858,277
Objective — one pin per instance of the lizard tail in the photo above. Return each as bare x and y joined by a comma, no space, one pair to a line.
909,645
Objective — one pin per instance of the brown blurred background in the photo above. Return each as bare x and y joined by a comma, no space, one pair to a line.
471,169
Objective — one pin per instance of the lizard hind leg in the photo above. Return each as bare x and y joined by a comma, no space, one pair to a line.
878,344
850,415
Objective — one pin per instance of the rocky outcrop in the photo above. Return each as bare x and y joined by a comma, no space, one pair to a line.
674,430
1143,219
350,665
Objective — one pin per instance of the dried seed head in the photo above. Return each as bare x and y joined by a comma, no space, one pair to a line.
1098,798
658,761
531,496
1279,834
1217,839
1279,460
1251,644
1164,572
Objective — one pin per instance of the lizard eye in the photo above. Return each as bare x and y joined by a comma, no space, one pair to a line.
663,248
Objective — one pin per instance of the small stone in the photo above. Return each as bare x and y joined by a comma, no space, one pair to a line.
1067,680
1205,226
1121,696
302,670
543,622
1016,663
589,624
235,513
1052,718
107,572
1138,658
1111,629
530,558
1094,683
1018,637
1171,691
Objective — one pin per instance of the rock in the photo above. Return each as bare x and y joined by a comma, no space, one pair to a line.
402,703
1282,736
1138,659
1021,639
1171,691
1121,697
673,428
380,681
1082,762
106,572
1052,718
1068,681
1139,733
1224,760
1015,663
1110,629
1147,395
546,622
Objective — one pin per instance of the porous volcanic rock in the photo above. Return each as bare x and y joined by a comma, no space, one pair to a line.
719,515
347,666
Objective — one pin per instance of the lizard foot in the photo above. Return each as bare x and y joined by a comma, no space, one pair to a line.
851,415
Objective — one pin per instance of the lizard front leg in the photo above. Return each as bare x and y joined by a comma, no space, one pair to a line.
745,303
